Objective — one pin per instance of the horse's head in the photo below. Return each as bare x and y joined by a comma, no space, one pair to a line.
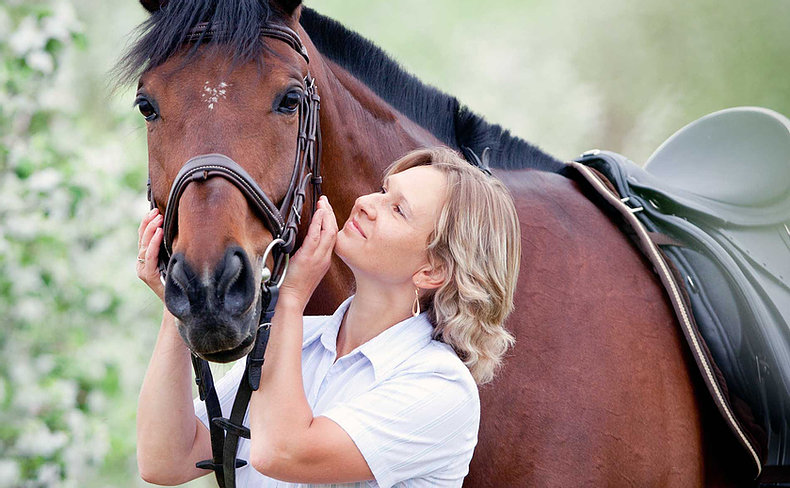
219,88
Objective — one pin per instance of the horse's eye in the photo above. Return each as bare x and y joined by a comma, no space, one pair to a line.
290,102
146,108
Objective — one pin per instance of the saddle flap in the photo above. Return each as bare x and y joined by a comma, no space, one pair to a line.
738,156
763,255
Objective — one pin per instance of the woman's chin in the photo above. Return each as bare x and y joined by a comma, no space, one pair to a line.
341,246
358,260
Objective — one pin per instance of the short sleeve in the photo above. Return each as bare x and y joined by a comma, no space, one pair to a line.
414,426
226,391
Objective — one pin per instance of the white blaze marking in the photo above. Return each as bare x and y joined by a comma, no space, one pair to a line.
212,95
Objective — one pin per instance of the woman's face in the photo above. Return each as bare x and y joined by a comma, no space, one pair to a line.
386,234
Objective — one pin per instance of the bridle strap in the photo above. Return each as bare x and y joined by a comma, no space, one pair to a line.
205,31
307,167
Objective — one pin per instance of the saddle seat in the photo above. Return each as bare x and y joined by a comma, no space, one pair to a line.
715,197
732,165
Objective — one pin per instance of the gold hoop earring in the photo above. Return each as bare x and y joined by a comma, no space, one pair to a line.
415,308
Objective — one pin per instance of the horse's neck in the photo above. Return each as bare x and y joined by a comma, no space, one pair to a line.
361,135
366,129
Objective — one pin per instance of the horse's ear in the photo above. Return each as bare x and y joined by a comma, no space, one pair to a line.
153,5
286,6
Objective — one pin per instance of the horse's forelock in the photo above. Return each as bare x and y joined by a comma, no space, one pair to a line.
161,35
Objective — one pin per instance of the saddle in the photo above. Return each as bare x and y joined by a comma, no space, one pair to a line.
711,211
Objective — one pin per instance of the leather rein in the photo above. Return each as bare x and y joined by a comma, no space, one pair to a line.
282,222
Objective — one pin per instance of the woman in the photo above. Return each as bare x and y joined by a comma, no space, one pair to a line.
385,389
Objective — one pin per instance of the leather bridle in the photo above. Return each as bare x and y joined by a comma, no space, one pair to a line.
282,222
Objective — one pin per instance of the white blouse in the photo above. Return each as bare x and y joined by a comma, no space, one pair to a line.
407,401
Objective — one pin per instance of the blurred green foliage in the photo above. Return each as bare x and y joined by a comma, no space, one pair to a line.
77,326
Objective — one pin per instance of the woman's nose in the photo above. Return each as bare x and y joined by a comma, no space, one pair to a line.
367,205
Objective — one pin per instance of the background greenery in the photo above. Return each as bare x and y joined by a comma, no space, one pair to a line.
77,327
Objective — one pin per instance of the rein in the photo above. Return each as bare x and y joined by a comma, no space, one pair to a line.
283,223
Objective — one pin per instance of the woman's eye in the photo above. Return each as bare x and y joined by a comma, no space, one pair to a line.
290,102
146,109
394,207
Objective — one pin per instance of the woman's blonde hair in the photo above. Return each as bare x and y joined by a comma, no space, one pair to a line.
477,242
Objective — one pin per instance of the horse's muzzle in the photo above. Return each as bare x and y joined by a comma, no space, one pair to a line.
217,316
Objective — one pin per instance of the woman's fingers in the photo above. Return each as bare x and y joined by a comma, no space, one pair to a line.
147,261
328,227
152,251
149,239
148,233
144,223
314,231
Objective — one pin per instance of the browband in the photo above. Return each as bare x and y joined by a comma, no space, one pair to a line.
207,31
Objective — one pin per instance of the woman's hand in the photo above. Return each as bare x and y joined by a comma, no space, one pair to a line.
311,262
148,242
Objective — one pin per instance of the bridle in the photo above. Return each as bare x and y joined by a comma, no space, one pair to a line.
282,222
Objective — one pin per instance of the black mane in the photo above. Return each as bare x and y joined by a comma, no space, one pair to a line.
442,114
164,33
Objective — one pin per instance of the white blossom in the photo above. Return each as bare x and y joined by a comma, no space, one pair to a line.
38,440
62,23
5,25
9,472
49,475
44,364
30,309
40,60
27,37
45,180
98,301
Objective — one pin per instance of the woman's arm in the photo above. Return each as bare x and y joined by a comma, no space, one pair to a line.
170,439
287,443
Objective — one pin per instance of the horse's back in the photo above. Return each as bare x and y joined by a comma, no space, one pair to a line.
598,389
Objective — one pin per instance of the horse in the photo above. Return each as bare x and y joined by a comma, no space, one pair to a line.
599,389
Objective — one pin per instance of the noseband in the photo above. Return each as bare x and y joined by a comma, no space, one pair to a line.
282,222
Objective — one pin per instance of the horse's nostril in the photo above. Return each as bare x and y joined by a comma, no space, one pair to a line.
176,297
236,285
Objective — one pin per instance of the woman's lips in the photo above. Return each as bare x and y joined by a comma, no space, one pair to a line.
357,227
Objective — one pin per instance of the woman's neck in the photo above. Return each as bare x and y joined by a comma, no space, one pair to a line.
374,309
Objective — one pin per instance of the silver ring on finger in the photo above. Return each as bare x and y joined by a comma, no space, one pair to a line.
141,260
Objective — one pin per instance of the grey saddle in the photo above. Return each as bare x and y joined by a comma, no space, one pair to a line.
720,189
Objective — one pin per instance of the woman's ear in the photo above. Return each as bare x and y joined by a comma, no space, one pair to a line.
429,277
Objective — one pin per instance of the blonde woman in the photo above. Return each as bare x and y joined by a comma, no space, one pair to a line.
383,392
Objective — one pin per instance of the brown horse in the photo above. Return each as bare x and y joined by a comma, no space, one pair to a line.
599,389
